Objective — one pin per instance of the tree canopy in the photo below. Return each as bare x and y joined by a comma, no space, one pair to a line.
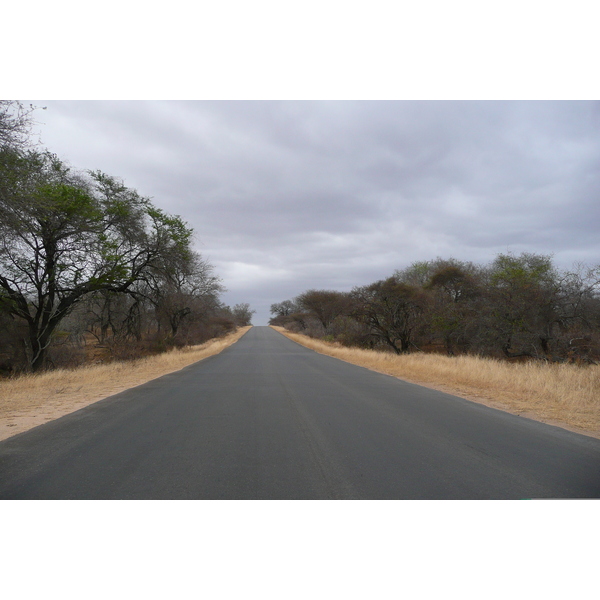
65,235
517,307
85,243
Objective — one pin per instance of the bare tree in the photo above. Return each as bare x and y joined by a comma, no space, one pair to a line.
393,310
15,123
324,305
242,314
182,285
283,309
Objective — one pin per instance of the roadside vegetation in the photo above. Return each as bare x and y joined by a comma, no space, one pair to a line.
518,332
90,270
559,393
517,308
35,398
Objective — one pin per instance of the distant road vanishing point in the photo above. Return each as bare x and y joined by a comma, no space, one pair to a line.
270,419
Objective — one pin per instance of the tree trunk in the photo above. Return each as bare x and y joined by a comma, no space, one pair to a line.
39,350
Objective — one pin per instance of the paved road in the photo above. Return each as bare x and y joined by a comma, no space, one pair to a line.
269,419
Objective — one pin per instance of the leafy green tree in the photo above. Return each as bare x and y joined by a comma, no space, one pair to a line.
523,296
455,292
418,274
64,235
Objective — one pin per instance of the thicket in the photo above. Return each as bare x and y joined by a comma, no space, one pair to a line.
89,269
516,308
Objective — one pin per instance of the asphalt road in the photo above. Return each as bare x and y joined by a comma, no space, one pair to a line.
269,419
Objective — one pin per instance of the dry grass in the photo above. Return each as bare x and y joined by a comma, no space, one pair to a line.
561,394
31,400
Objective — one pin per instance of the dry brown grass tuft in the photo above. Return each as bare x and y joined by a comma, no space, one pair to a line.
561,394
31,400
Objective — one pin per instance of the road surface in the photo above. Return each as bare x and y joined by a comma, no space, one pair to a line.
270,419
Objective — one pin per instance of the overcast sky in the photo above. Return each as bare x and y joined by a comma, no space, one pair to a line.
290,195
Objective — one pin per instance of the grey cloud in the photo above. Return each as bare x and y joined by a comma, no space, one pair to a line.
290,195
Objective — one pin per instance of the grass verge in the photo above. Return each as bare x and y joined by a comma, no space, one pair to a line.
31,400
558,394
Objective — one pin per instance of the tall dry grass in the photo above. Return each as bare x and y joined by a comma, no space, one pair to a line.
562,394
31,400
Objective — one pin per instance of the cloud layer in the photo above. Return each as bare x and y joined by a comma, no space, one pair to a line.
286,196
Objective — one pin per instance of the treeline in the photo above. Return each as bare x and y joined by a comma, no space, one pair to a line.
91,270
517,307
